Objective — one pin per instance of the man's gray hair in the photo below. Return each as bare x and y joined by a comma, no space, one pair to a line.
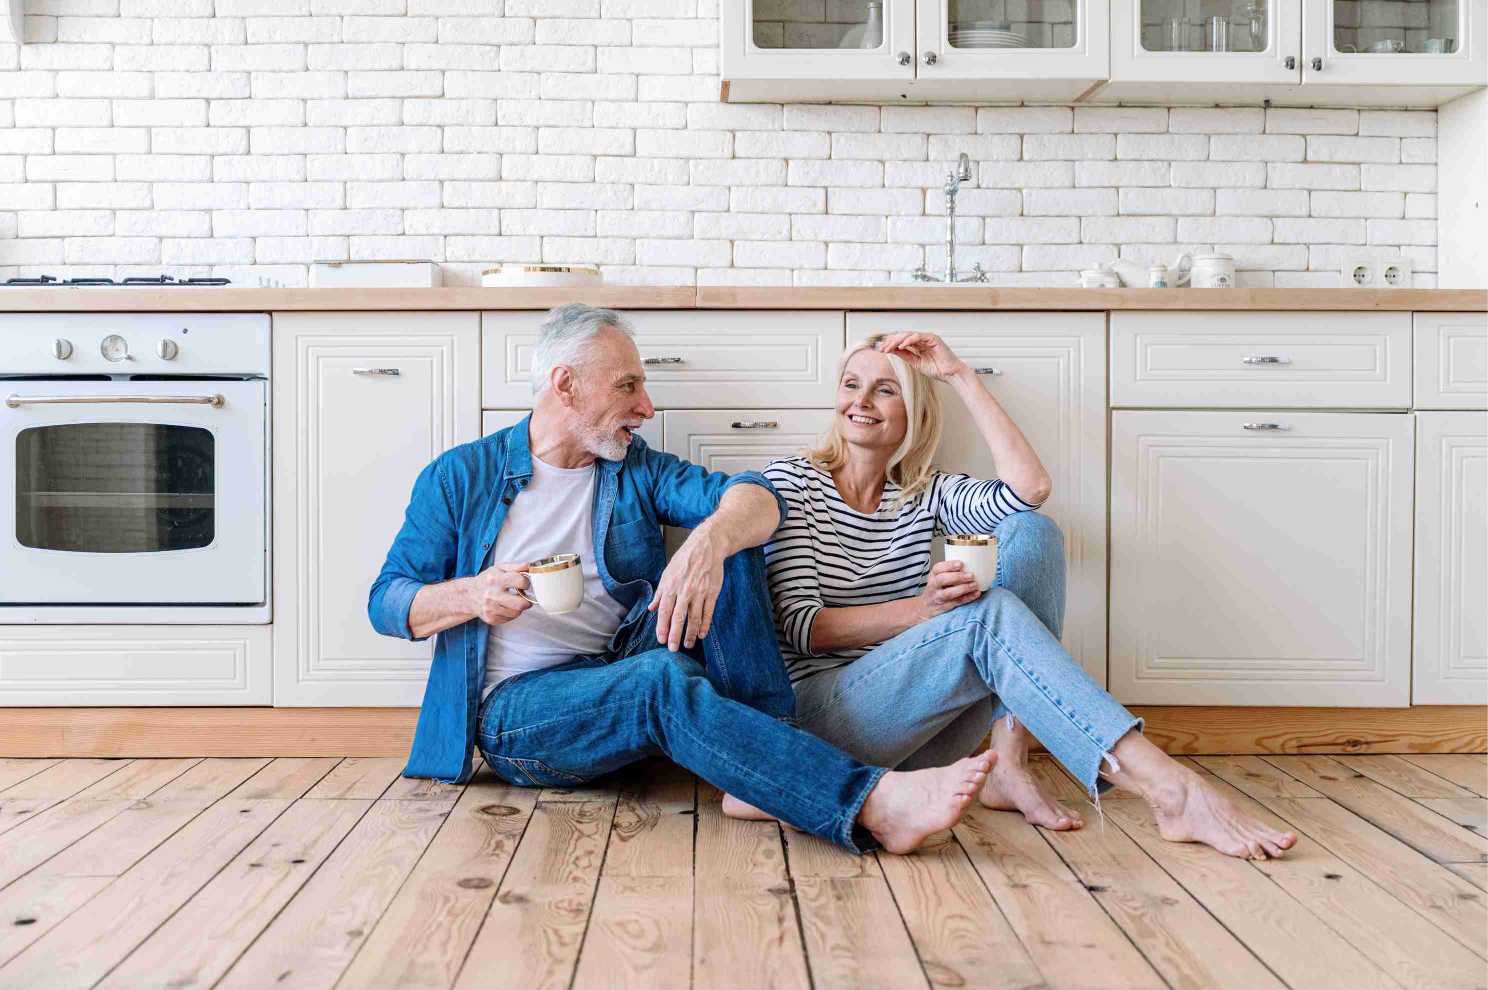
566,333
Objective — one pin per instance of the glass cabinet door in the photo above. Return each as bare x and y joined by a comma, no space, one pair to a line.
1396,42
832,39
1207,41
1013,39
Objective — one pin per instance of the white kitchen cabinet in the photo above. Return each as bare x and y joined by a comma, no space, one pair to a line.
1261,558
734,440
135,665
702,359
1298,52
1317,360
362,402
1451,603
941,50
1451,361
1048,371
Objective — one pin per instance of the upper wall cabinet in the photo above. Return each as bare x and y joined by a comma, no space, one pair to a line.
974,51
1309,52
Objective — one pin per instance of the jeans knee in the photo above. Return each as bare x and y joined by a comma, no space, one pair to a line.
662,673
1032,530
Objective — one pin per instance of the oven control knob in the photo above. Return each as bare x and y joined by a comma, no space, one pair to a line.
61,349
167,350
114,348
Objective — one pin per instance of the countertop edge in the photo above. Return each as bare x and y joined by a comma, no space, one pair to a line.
61,300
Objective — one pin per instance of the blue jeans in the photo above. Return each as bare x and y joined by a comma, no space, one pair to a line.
929,695
566,725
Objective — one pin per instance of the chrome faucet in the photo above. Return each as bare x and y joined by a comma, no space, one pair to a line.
952,187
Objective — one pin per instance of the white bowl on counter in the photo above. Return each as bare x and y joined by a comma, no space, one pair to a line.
541,276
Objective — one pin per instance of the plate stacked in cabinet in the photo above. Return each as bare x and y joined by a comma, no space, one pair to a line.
1275,501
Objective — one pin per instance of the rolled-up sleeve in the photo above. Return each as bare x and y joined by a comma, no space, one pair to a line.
686,494
424,552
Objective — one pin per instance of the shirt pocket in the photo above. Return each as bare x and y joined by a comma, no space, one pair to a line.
635,551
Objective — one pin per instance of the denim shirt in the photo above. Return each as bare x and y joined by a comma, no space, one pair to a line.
458,505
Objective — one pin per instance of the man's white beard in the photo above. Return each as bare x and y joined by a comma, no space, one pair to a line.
603,444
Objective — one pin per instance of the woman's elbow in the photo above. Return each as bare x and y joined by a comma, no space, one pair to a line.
1039,490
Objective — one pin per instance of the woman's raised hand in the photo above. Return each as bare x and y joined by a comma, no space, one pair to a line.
950,585
925,352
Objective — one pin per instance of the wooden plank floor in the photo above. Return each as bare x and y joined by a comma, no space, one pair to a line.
326,872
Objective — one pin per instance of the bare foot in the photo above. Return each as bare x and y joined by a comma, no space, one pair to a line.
905,808
734,808
1010,787
1192,810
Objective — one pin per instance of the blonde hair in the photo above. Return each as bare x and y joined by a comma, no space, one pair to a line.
909,467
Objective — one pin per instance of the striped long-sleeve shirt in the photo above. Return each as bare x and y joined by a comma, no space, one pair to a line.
828,555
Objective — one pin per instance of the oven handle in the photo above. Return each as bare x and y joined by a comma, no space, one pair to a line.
16,401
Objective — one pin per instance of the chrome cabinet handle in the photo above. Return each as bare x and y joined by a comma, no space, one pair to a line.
16,401
661,360
377,372
1290,62
1266,359
904,58
1266,427
1317,65
930,58
987,371
755,424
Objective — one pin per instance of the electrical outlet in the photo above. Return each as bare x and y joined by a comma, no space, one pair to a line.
1367,270
1396,274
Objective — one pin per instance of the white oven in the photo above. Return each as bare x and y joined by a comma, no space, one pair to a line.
134,467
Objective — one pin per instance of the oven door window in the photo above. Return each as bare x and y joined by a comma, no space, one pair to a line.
115,487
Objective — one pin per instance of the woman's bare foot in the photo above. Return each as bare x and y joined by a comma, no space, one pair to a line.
905,808
1011,787
734,808
1192,810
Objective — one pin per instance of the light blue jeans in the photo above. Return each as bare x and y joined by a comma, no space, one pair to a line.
929,696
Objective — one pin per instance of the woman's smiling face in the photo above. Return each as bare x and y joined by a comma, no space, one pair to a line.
870,403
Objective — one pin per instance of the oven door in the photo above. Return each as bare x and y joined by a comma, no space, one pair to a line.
133,492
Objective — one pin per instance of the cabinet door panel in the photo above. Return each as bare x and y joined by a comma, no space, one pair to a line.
350,441
1388,44
1048,371
734,440
1156,41
1451,360
1450,665
1260,566
705,359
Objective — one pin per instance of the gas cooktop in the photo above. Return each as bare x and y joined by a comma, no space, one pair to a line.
48,281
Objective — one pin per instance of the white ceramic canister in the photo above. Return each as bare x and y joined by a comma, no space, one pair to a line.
541,276
1157,277
1213,271
1099,278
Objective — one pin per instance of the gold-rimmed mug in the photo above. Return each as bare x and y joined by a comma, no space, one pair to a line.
977,553
557,583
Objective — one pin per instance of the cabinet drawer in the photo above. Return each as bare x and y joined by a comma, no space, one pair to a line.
135,665
1261,566
1451,360
695,358
1238,360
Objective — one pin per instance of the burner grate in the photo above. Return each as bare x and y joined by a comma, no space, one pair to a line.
196,281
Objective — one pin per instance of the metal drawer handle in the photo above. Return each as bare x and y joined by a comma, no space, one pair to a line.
987,371
377,372
1266,359
1266,426
755,424
16,401
661,360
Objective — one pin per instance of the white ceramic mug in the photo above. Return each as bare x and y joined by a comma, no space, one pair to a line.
977,553
557,583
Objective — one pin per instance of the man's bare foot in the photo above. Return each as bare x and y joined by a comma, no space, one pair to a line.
905,808
1011,787
734,808
1192,810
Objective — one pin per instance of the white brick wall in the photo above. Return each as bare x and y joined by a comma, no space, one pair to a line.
255,136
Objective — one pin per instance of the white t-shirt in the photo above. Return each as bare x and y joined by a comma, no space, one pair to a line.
554,514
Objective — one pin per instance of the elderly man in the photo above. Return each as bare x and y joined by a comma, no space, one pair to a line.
557,700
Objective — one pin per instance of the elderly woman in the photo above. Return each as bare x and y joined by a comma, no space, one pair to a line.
907,665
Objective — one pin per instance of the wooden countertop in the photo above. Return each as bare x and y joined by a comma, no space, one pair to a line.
64,300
